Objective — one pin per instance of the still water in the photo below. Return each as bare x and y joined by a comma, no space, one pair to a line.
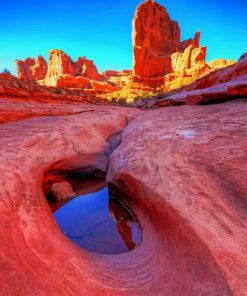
100,222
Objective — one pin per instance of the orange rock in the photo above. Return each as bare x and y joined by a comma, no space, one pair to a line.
32,69
221,75
189,58
72,81
86,68
102,87
220,63
110,73
194,42
182,61
198,55
59,64
155,38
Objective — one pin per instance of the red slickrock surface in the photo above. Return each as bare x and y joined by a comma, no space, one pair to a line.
186,168
182,169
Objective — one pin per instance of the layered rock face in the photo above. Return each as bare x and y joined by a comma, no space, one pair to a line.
155,38
218,86
61,64
158,50
62,71
32,69
18,89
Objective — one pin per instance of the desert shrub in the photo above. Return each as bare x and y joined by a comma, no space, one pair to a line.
122,101
114,100
6,71
58,91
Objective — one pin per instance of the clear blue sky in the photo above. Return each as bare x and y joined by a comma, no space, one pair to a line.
101,30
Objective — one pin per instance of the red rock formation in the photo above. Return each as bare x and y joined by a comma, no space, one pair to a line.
189,58
159,56
13,87
32,69
76,72
104,87
86,68
220,63
72,81
231,71
194,42
220,85
155,38
60,64
110,73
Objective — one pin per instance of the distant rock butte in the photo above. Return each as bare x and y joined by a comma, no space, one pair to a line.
62,71
32,69
61,64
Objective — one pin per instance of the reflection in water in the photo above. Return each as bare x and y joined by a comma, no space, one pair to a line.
99,223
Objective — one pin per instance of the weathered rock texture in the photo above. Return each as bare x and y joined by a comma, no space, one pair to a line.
155,38
185,167
61,64
13,87
63,72
62,191
32,69
220,85
181,170
158,50
161,60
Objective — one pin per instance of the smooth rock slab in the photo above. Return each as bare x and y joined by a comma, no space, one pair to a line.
182,170
187,167
35,258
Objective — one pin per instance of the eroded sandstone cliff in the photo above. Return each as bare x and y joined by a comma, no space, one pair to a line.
160,57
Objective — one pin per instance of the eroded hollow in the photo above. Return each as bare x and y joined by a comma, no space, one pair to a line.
92,213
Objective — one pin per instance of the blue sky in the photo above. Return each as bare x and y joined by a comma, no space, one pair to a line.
101,30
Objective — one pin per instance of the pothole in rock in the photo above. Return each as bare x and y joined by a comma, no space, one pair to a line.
92,214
